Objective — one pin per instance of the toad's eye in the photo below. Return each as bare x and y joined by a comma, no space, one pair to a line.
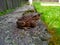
46,30
35,16
39,14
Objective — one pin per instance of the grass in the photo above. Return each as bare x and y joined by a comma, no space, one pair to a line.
51,16
5,12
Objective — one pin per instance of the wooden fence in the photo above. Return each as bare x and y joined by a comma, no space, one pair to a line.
9,4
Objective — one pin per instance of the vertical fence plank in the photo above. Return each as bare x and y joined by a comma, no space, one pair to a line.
2,5
15,3
18,3
9,4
